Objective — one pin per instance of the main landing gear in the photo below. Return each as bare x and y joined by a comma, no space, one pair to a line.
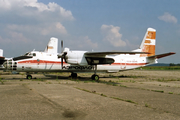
95,76
74,75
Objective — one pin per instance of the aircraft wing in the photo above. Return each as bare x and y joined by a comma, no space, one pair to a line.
94,58
111,53
161,55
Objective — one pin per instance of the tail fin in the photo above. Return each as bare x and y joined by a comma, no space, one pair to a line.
52,46
149,42
1,52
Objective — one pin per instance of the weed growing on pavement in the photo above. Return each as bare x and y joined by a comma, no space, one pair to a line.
130,101
103,95
122,86
161,91
146,105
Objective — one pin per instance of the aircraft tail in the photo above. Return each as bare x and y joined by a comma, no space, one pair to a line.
148,45
149,42
52,46
1,52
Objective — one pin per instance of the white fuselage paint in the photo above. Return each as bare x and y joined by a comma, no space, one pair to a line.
44,62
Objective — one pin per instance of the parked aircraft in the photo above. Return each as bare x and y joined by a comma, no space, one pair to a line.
84,61
2,59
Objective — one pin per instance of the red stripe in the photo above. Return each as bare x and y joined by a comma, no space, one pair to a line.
129,63
41,61
58,62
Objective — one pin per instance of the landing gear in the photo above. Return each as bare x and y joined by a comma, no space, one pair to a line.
29,77
74,75
95,77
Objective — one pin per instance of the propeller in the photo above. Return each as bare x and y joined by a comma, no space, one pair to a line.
62,52
62,55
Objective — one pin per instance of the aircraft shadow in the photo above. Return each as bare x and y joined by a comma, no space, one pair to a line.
122,76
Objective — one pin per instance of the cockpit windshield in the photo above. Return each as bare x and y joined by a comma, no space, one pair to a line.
27,54
30,54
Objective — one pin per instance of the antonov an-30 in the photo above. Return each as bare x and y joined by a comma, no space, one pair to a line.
84,61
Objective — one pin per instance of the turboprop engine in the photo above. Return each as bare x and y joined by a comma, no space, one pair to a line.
75,57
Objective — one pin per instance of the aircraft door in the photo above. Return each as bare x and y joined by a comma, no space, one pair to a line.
38,63
122,64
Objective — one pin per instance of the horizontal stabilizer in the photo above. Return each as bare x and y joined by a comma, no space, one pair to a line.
112,52
161,55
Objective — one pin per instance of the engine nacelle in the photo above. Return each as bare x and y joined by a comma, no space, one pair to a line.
76,58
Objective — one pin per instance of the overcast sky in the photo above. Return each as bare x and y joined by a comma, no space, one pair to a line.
98,25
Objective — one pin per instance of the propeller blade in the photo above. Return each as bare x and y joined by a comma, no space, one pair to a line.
61,63
61,46
62,54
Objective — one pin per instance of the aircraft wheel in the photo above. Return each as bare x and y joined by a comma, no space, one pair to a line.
95,77
74,75
29,77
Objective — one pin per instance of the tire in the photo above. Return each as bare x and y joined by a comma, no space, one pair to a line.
29,77
74,75
95,77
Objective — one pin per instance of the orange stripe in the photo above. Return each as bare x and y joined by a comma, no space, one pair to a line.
148,48
147,41
151,35
41,61
50,47
129,64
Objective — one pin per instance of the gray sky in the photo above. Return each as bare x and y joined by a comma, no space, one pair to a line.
99,25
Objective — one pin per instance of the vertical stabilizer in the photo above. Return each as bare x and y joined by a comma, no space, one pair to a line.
52,46
149,42
1,52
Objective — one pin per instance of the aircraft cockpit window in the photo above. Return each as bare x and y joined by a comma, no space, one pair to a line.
34,54
26,54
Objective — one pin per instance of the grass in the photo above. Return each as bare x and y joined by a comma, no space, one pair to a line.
49,83
103,95
123,86
160,68
2,82
130,101
170,93
38,79
115,84
84,90
146,105
161,91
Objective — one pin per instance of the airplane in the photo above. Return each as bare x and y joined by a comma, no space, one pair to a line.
2,59
84,61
